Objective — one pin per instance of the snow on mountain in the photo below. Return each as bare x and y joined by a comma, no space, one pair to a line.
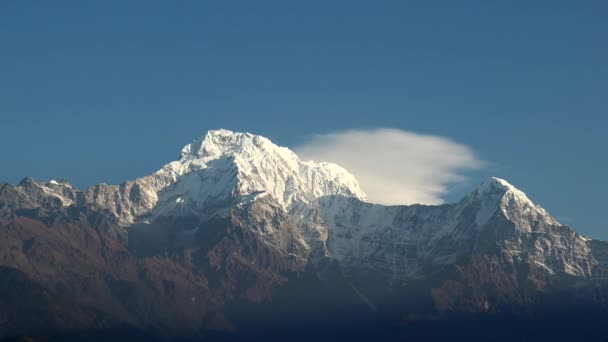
224,168
60,192
262,166
408,241
318,210
496,193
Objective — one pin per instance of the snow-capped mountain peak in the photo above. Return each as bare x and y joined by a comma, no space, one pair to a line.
495,183
222,142
497,194
315,210
227,167
263,167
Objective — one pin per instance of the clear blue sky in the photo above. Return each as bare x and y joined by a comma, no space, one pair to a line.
108,90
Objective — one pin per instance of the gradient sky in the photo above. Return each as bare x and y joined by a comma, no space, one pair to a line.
111,90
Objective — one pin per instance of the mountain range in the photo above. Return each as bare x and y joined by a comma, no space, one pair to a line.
238,236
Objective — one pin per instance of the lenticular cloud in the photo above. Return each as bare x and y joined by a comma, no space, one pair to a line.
395,166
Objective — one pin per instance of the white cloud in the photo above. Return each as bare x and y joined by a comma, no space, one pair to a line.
395,166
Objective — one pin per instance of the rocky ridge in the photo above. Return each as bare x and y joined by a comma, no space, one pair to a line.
237,218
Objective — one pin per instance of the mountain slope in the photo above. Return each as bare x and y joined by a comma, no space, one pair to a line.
223,169
238,224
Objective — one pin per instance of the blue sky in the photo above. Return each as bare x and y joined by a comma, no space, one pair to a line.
110,90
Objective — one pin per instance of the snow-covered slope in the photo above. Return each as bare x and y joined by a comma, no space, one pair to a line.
325,210
236,218
413,241
222,169
496,194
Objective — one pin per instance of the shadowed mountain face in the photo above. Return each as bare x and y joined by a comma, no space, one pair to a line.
238,236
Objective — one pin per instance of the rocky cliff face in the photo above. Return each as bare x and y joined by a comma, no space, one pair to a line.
238,224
